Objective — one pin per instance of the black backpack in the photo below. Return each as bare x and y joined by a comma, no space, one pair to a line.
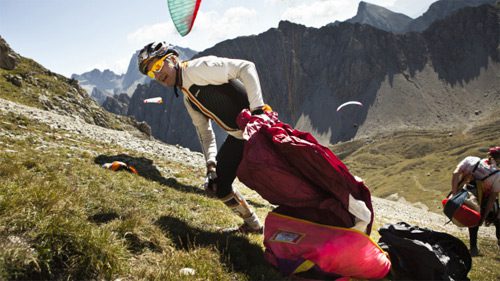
423,254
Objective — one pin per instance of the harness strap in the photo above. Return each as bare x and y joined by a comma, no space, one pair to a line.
491,174
475,166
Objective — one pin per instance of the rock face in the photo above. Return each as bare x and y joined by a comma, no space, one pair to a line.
441,9
117,104
98,95
8,58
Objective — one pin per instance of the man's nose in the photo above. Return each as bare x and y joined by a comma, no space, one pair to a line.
157,75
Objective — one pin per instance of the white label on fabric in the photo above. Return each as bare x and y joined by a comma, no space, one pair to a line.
287,237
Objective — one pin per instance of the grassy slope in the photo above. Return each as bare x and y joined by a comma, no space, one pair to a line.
416,165
63,216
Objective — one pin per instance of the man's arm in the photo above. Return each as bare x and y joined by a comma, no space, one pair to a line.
247,73
489,205
205,134
456,179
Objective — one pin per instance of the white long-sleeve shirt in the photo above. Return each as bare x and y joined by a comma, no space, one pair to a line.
211,70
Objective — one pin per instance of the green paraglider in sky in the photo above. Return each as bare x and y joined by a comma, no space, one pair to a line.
183,14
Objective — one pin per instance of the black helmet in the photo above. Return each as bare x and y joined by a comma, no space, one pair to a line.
153,51
494,152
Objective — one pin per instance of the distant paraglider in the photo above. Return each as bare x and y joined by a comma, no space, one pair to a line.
349,103
183,14
154,100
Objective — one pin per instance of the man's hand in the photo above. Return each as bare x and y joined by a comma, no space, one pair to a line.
210,185
261,109
257,111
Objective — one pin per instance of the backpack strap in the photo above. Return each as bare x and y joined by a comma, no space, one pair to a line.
475,166
491,174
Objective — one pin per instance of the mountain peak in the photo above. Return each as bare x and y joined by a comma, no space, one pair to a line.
380,17
368,8
365,6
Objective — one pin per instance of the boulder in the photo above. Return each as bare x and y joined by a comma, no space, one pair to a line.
8,58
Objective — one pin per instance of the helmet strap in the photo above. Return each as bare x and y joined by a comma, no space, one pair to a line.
177,79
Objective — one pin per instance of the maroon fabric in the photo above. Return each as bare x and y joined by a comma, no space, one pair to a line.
290,168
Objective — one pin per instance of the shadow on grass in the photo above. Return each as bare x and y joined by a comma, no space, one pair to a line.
146,169
236,250
257,204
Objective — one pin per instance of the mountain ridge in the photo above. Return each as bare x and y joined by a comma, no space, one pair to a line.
387,20
405,80
110,84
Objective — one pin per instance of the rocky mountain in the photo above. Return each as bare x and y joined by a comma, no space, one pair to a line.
98,95
8,58
105,82
436,79
109,83
380,18
117,104
384,19
26,82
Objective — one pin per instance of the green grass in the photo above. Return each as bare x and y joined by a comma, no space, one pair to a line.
64,217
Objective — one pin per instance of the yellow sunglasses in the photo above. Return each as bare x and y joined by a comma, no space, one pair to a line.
157,66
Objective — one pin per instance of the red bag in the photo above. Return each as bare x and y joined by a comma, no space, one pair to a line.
464,216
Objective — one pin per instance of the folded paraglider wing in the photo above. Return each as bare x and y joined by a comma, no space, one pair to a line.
294,246
291,169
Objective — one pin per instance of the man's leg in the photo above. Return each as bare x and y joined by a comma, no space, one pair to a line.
474,251
228,160
497,228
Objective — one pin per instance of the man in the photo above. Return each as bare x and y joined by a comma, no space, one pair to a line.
215,89
484,172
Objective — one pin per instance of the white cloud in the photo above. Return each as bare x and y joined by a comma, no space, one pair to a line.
210,28
319,13
231,23
150,33
118,66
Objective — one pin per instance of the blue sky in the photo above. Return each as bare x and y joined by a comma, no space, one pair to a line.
75,36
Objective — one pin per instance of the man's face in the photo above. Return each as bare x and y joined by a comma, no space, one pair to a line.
166,74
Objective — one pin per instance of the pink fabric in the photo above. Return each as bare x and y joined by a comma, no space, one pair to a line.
290,168
333,250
